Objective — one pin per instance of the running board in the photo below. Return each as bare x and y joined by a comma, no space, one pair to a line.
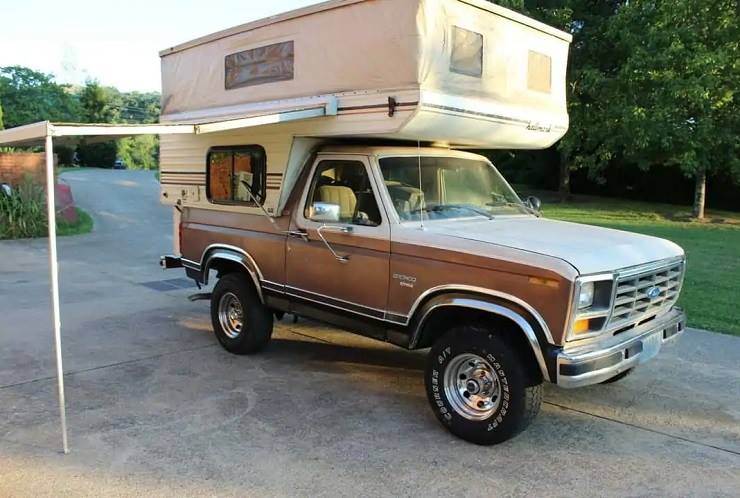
203,296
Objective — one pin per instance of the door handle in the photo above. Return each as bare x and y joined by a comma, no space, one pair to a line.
338,229
297,234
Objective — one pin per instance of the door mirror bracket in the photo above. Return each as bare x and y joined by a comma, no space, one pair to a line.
338,229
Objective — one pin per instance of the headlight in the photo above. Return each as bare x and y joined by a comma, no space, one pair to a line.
586,296
591,306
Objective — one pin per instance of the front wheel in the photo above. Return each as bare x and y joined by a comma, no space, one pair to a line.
241,322
479,388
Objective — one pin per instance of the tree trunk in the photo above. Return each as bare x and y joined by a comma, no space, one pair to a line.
700,193
564,186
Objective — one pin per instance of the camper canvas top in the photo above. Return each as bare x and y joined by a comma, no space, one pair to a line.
461,72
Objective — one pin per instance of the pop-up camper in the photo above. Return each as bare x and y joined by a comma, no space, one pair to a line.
462,73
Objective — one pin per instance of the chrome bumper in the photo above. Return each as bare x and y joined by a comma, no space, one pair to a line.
594,366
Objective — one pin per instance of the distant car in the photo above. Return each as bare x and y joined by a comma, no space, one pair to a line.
119,164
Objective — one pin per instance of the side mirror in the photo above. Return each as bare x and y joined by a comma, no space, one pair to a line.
324,212
533,202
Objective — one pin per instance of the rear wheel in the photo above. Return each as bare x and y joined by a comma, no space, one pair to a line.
479,388
241,322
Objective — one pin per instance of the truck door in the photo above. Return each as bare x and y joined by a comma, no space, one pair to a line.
339,245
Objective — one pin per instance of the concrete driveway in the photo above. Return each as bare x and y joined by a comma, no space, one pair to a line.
156,407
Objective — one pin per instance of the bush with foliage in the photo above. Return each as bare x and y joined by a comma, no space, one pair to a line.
23,212
140,152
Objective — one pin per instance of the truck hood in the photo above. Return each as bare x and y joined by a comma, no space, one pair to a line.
587,248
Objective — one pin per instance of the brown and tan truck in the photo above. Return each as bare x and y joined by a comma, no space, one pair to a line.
327,179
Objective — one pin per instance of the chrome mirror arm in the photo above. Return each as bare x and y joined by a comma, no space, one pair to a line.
258,204
338,229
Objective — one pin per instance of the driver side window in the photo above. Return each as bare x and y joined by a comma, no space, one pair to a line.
344,186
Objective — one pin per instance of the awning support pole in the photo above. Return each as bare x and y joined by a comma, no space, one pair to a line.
54,282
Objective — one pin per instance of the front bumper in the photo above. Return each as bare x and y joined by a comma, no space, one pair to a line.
591,366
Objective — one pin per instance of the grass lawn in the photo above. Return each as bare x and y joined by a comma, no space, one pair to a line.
84,224
711,292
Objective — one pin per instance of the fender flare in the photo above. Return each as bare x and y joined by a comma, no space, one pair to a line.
528,325
234,254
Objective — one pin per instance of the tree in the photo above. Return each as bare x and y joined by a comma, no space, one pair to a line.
99,105
29,96
591,59
1,116
137,107
676,91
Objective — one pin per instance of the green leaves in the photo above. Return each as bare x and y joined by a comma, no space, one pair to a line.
676,87
23,212
29,96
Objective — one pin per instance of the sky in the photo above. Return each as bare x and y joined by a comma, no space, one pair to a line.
115,42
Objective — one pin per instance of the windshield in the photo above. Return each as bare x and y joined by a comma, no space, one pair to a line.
450,188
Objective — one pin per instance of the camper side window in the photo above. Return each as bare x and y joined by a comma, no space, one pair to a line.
467,52
236,175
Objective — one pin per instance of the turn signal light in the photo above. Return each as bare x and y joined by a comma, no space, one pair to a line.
581,326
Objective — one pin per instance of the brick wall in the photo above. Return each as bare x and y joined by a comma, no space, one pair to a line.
15,166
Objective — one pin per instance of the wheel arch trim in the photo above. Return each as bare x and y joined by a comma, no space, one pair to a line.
428,294
235,254
471,302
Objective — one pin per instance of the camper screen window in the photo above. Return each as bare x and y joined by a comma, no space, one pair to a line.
467,52
266,64
235,172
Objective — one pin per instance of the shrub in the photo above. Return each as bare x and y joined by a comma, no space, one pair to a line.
139,152
98,155
23,212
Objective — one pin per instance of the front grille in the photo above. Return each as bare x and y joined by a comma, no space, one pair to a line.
631,300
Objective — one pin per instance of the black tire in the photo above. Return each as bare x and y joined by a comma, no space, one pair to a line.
617,377
256,320
520,395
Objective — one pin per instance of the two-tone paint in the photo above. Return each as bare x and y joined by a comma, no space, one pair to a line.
394,280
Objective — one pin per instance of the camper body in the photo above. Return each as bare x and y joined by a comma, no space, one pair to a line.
326,179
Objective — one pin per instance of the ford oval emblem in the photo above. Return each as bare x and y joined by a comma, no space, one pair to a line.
653,293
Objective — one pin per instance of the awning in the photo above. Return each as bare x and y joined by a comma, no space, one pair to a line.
45,132
261,115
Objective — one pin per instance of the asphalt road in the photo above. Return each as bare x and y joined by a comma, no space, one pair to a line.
156,408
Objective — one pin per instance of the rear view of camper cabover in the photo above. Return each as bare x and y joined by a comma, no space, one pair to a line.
454,73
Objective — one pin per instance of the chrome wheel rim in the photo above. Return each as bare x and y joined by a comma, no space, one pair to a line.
230,315
472,387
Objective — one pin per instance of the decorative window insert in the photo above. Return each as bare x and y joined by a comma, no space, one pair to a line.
539,72
234,172
261,65
467,52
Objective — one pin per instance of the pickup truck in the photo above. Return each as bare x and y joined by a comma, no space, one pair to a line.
430,248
